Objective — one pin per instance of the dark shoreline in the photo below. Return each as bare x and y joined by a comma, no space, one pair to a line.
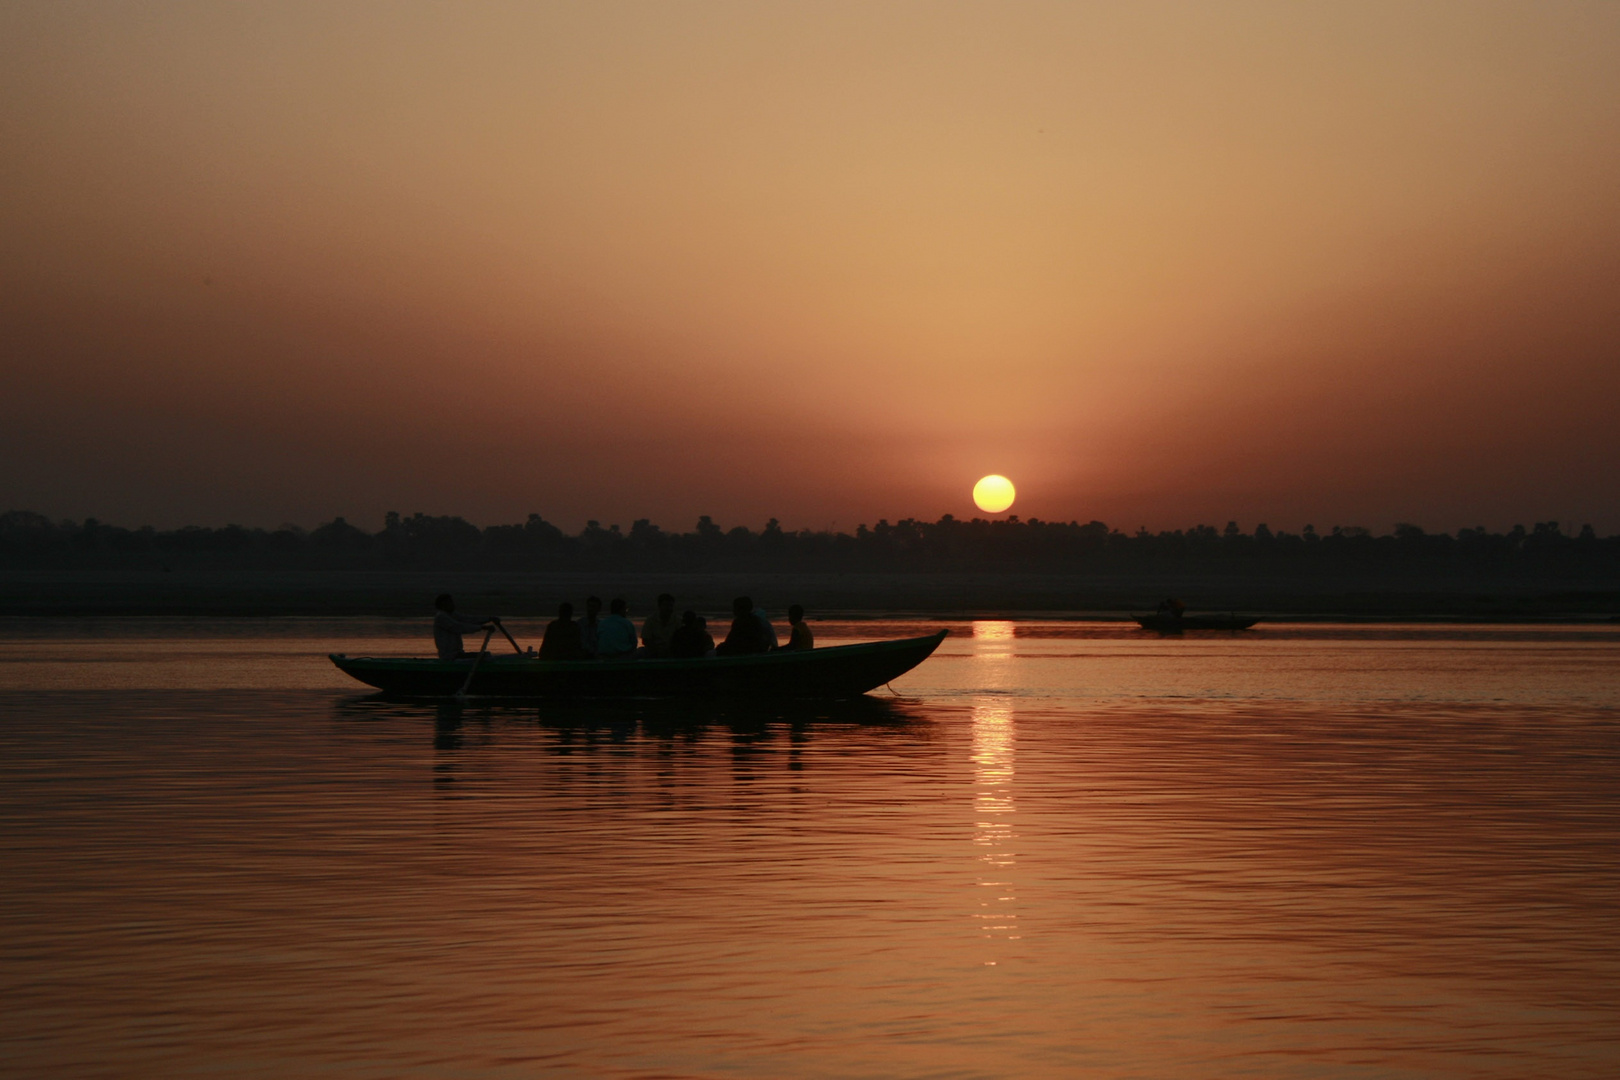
222,593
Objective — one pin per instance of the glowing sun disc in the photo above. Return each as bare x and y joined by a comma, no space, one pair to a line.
993,494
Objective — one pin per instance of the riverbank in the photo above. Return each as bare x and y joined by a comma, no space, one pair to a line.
222,593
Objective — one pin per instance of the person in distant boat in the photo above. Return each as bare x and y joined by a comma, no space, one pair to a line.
800,639
589,627
562,640
616,637
749,631
690,640
1171,608
660,628
448,628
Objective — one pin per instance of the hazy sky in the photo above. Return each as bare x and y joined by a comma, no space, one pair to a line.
1159,263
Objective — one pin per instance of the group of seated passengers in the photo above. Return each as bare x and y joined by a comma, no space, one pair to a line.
614,637
663,637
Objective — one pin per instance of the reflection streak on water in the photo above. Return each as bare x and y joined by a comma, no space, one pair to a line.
1000,634
993,805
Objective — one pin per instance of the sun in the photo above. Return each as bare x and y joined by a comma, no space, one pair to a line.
993,494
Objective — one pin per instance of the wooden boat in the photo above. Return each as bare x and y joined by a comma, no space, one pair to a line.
1171,624
839,671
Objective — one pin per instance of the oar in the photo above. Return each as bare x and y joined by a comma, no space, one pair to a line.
483,651
515,646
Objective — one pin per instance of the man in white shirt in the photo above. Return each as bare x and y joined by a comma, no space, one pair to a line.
766,629
448,628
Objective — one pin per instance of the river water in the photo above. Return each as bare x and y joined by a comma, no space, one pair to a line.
1055,849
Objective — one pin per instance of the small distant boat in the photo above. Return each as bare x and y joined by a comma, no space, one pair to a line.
839,671
1172,624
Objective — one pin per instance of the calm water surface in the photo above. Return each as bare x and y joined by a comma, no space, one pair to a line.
1054,850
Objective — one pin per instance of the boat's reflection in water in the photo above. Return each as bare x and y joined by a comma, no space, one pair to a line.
653,713
746,731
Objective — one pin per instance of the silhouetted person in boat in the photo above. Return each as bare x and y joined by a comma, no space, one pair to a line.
589,627
691,639
660,628
765,626
703,633
749,632
800,639
448,628
616,637
1171,608
562,640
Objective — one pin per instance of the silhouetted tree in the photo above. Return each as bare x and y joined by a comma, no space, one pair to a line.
949,544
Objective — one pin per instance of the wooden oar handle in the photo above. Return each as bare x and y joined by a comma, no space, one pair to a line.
479,659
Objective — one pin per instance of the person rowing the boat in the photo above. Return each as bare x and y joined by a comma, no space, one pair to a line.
448,628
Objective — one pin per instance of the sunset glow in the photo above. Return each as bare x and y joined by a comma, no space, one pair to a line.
1282,263
498,573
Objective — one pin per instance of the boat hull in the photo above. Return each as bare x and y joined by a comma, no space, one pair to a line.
835,672
1165,624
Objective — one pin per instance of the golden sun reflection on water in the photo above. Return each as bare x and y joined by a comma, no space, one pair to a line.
993,630
994,652
993,807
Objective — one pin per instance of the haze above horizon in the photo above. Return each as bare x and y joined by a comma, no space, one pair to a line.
1158,264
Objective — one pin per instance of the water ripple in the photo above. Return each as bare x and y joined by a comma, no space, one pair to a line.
1289,857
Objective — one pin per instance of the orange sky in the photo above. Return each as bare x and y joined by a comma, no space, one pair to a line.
1160,264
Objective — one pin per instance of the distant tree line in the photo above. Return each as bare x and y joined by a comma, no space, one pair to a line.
421,541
